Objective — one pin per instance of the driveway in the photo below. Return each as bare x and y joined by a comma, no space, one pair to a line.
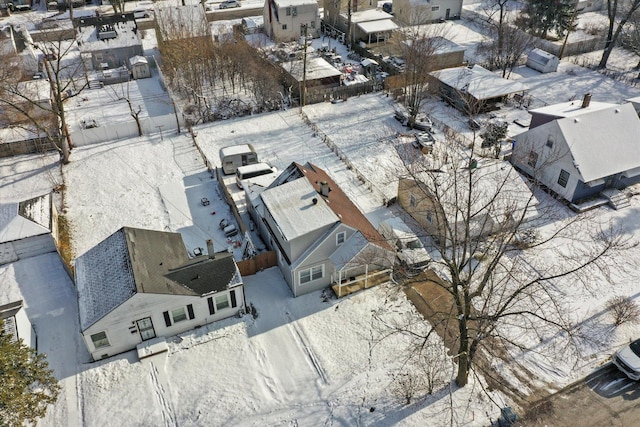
604,398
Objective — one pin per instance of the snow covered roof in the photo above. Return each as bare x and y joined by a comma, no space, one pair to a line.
317,68
367,15
377,26
107,32
35,90
571,108
25,219
603,142
138,60
133,260
540,56
348,250
287,3
297,208
478,82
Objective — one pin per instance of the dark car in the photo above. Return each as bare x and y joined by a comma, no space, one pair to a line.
387,7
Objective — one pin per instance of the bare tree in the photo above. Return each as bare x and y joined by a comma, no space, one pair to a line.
124,95
619,13
630,38
504,51
491,291
66,77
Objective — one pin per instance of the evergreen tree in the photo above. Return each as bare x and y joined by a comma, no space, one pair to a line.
27,385
549,15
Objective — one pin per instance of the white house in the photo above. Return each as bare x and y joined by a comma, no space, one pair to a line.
15,322
418,12
320,237
27,229
137,285
580,148
285,20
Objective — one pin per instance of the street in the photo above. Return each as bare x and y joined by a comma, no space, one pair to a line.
604,398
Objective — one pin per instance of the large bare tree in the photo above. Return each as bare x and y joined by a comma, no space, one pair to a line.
619,13
500,280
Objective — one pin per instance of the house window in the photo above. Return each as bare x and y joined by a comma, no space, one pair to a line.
288,12
340,237
314,273
222,302
435,8
179,315
9,328
550,142
145,327
533,159
412,201
294,11
563,178
100,340
430,217
284,26
313,24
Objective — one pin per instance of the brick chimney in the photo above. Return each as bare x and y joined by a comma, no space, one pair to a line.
210,249
586,100
324,189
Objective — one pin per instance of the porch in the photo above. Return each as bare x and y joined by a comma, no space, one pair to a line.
344,285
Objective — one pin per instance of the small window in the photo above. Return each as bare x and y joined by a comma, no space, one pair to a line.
563,178
340,237
100,340
412,201
533,159
284,26
313,24
222,302
430,217
294,11
288,12
435,8
314,273
178,315
550,142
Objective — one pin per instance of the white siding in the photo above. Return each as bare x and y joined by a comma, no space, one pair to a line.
26,248
121,329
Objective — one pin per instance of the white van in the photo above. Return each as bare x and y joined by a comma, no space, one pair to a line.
252,172
231,158
410,248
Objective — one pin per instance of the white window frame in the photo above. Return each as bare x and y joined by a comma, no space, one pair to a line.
435,8
180,319
287,11
532,161
218,300
341,238
561,179
284,26
313,274
106,338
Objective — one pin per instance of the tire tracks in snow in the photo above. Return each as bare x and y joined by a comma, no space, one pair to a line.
269,381
166,409
302,339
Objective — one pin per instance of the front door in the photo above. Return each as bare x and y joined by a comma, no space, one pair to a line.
145,327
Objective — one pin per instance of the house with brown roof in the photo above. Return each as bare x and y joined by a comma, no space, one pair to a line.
319,235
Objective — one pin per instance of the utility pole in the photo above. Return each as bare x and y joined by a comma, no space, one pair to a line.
303,95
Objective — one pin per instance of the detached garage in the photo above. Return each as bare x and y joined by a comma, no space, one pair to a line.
27,229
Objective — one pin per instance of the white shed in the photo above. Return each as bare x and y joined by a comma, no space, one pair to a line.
542,61
139,67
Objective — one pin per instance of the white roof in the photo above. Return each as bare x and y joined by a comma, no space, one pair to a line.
366,62
571,108
367,15
377,26
34,219
235,149
348,250
138,60
287,3
127,35
294,211
317,68
540,56
35,90
478,82
603,142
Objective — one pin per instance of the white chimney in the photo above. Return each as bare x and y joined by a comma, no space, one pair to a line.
210,249
324,189
586,100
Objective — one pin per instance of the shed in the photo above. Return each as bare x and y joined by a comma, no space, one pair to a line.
542,61
139,67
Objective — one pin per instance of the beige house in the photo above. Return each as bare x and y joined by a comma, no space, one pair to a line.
285,20
499,198
417,12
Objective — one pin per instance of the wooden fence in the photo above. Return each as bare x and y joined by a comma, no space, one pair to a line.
260,262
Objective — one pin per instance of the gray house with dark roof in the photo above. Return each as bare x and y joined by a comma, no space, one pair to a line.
137,285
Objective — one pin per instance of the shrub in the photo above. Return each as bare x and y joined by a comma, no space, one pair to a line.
624,310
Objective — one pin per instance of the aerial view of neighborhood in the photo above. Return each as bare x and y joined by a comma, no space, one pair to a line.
320,213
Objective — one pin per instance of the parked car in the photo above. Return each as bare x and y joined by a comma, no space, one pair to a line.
401,116
142,13
422,122
627,359
226,4
424,142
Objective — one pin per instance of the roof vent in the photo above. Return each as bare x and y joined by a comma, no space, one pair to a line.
586,100
324,189
617,110
576,120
